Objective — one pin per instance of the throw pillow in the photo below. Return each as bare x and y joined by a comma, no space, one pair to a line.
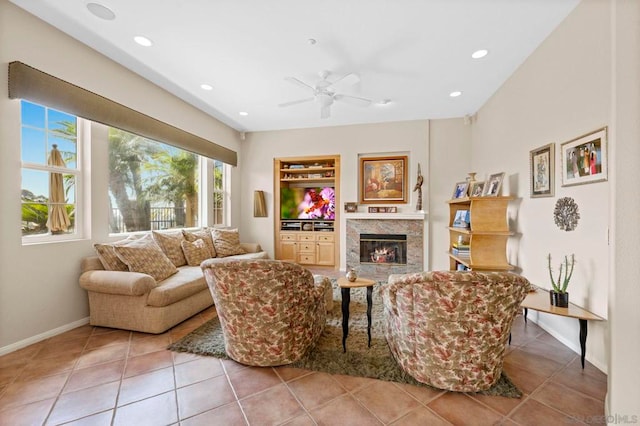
195,252
146,257
203,234
107,255
169,242
227,242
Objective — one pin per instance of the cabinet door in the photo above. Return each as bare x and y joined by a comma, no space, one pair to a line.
325,253
288,251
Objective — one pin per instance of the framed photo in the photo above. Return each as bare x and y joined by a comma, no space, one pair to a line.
476,189
392,210
541,171
350,207
373,209
460,190
493,185
584,159
383,180
462,219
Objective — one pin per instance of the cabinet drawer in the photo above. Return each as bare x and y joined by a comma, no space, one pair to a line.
306,258
287,237
306,237
307,247
325,237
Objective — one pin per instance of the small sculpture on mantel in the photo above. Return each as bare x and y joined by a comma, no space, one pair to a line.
418,188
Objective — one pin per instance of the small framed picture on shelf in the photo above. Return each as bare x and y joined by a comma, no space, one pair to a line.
350,207
462,219
373,209
493,185
460,190
392,210
476,189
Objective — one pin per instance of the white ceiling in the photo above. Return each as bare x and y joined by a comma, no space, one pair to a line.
413,52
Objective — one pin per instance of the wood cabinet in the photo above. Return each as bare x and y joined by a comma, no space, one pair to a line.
483,245
301,236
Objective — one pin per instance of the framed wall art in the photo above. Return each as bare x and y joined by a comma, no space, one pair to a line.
493,185
541,171
584,159
383,180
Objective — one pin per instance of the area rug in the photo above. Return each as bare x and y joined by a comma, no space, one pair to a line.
327,356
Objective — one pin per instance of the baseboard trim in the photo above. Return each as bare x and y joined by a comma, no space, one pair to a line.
42,336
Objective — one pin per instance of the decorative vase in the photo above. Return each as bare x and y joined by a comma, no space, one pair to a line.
561,300
352,275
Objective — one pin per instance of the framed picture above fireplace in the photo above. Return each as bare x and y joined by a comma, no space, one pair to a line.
383,180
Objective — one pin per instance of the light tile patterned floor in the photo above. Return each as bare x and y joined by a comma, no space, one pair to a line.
98,376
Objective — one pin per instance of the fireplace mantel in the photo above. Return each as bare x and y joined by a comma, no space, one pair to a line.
387,216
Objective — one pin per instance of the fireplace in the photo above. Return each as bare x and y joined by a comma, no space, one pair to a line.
389,249
408,252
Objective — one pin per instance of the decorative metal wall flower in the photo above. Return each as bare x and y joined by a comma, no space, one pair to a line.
566,214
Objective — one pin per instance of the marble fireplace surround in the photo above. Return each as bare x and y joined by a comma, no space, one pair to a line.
411,225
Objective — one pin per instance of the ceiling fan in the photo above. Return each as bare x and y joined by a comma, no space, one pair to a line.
324,92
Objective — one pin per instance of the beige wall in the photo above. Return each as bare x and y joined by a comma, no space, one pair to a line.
624,292
39,292
260,148
450,149
560,92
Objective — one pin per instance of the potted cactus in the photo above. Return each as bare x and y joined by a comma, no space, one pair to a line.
558,295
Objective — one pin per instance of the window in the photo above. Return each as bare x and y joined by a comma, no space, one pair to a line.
152,185
219,192
50,173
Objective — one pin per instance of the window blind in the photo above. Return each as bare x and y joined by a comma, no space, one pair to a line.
26,82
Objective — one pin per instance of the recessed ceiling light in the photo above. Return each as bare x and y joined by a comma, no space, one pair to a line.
455,94
101,11
143,41
243,113
206,87
479,54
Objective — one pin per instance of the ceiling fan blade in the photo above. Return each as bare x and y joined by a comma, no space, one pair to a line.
299,83
325,111
354,100
299,101
347,80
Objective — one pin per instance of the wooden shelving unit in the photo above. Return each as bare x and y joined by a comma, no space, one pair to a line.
307,241
486,237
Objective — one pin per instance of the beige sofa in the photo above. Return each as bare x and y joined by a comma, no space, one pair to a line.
137,301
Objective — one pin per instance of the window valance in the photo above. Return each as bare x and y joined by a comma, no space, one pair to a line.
26,82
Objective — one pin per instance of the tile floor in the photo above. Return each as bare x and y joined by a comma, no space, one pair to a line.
99,376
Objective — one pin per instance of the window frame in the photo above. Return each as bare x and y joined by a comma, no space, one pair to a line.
83,141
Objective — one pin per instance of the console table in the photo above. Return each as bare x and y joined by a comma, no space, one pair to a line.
539,301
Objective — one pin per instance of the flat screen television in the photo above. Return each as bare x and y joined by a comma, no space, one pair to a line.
308,203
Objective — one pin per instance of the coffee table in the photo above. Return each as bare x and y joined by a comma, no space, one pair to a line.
345,290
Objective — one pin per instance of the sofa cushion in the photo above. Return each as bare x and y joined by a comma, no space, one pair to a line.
195,252
186,282
146,256
108,257
203,234
169,242
227,242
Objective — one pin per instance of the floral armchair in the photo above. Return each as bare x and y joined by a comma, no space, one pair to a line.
449,329
271,312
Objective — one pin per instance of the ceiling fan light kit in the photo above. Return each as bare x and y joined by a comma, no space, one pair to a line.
324,92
